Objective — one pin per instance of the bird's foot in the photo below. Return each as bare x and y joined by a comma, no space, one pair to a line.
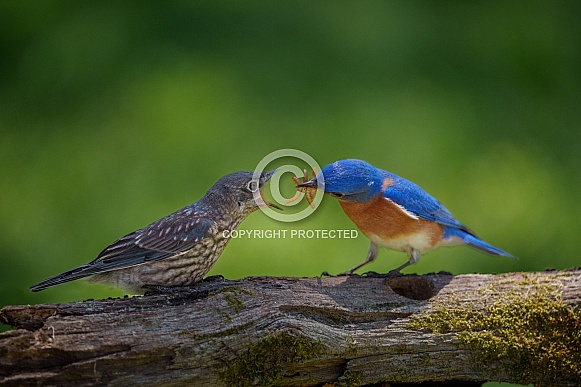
391,274
373,274
395,273
179,290
214,278
346,273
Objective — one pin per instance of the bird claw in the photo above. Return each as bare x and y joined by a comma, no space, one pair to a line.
394,273
374,274
214,278
170,290
308,191
344,274
371,274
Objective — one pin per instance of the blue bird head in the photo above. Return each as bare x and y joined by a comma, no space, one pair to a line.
349,180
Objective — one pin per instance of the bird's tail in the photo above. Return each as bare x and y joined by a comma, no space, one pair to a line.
476,243
67,276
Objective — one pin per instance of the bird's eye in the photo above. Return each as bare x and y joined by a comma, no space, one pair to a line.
337,194
252,186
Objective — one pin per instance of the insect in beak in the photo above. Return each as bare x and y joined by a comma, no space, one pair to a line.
262,203
306,186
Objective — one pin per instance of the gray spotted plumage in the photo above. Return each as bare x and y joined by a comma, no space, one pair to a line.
176,250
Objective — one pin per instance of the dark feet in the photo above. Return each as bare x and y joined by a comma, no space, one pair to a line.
172,290
391,274
326,274
214,278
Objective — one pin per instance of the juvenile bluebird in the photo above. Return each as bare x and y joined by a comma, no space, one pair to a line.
394,212
179,249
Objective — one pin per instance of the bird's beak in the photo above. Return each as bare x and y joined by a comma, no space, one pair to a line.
263,179
309,184
266,176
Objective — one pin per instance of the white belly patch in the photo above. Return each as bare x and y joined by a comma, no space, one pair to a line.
418,241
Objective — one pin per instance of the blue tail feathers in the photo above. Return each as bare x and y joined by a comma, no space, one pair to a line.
474,242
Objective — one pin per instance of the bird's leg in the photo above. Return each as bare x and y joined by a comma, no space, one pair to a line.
414,258
371,255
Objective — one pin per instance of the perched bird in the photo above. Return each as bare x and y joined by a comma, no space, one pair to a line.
179,249
394,212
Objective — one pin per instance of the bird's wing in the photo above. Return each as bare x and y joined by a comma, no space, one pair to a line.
415,200
174,234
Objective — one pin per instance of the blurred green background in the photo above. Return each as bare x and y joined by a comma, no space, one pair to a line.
114,114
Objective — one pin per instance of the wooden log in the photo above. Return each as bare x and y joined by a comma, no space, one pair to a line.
358,330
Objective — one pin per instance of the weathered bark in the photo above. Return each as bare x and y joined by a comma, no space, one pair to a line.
284,331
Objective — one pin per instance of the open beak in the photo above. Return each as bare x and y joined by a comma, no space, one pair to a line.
309,184
263,179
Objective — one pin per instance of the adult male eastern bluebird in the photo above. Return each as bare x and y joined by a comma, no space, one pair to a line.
394,212
179,249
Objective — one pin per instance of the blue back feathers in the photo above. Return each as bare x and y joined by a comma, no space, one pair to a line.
358,181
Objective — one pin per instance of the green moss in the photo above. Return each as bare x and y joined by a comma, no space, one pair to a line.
351,378
262,363
234,301
351,347
231,296
532,333
235,290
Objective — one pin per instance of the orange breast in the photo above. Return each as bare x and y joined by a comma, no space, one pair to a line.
388,221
